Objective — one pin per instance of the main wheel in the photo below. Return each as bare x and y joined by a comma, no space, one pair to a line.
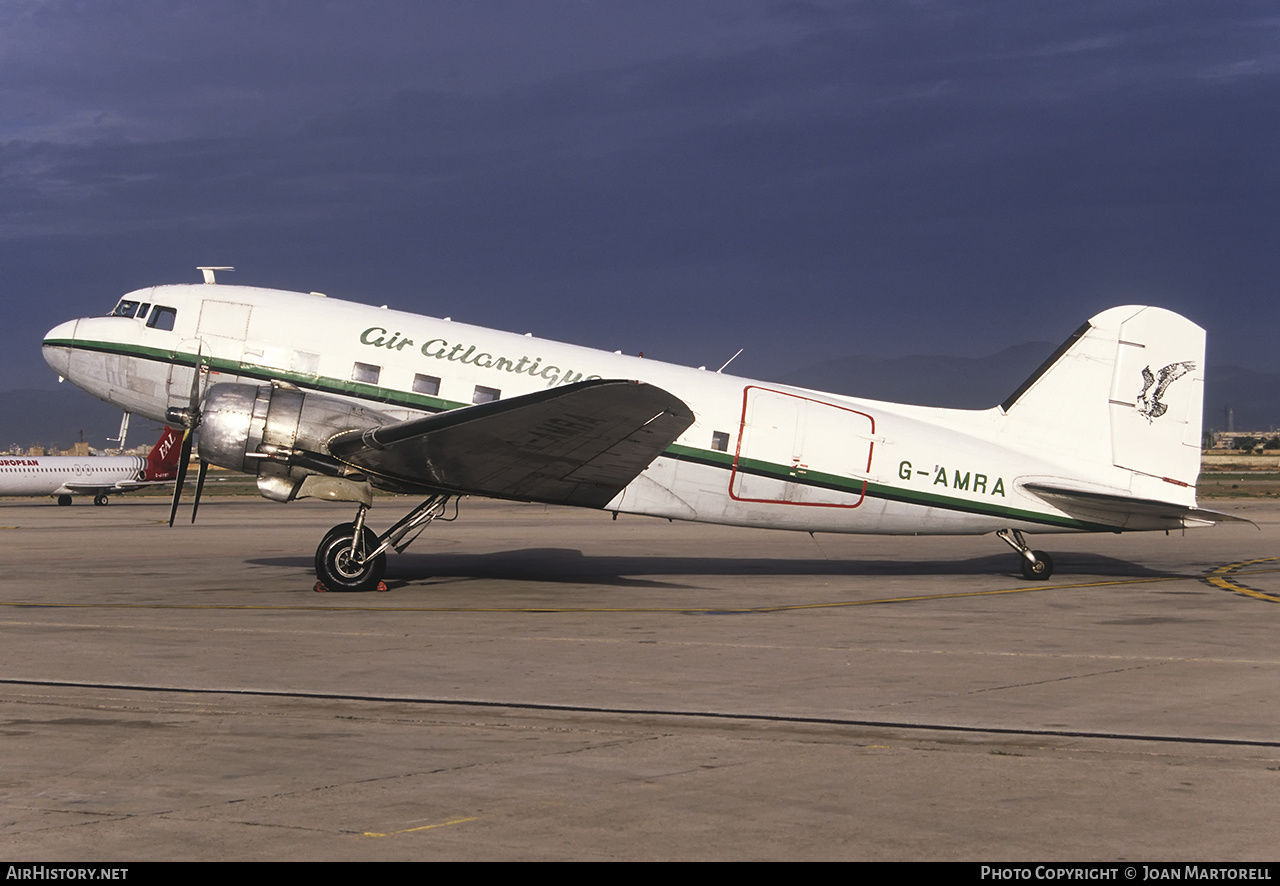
345,530
100,500
1039,570
64,500
337,565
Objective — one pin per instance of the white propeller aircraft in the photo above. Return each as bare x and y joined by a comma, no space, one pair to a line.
330,399
100,476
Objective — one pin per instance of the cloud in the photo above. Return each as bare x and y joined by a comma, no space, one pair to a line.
976,167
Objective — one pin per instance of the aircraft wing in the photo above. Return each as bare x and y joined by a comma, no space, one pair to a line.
578,444
122,486
1124,512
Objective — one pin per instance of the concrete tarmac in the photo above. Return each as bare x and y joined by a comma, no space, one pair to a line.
543,683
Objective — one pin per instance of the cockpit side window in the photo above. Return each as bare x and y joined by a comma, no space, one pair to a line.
126,308
162,317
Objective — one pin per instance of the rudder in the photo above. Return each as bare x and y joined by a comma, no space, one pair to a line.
162,461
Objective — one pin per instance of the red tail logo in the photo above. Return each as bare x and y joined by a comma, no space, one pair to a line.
162,461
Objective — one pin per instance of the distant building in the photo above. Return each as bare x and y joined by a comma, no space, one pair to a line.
1251,440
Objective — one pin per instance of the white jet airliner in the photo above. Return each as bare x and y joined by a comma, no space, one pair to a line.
64,475
330,399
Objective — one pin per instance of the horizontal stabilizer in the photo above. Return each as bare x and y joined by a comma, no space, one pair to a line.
1127,513
578,444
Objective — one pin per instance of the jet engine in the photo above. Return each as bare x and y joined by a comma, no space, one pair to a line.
281,434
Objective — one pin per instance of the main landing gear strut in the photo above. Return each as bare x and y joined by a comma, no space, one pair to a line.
1036,565
352,558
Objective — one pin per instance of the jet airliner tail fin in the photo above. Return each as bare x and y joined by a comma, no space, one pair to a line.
1125,390
162,461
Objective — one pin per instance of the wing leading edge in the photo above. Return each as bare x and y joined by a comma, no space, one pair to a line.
579,444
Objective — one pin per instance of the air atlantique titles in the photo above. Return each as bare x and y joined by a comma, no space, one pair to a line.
376,336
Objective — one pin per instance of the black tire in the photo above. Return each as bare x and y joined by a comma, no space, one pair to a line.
1039,570
344,529
64,500
101,500
335,566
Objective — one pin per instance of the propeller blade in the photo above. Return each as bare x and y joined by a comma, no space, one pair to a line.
184,456
193,401
195,504
190,420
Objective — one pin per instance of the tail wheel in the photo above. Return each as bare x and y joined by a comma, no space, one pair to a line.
341,568
1040,570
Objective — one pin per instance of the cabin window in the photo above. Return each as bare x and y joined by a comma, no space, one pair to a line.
426,384
485,395
306,363
142,310
366,373
720,441
162,318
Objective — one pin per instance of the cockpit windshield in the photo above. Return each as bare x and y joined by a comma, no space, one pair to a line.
162,317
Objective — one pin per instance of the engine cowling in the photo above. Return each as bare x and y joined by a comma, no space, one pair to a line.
281,434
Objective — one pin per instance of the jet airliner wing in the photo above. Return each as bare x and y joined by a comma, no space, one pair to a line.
122,486
579,444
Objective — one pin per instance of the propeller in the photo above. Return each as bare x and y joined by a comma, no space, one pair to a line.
189,418
184,458
195,502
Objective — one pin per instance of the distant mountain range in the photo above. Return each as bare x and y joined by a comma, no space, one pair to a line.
59,417
978,383
955,382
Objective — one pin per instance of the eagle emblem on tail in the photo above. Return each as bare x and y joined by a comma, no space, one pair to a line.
1150,405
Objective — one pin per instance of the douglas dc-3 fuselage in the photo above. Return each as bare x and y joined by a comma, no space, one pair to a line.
330,399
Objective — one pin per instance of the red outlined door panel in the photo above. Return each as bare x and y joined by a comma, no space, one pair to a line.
796,450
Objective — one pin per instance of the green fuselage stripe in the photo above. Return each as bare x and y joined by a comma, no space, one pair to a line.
883,491
706,457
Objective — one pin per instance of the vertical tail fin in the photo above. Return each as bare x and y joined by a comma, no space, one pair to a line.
162,461
1126,390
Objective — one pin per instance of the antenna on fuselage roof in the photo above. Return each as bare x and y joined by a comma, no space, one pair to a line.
208,273
731,359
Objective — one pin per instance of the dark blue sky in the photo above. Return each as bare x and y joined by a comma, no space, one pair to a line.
807,180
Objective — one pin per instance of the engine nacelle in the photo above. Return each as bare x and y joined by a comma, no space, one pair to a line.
281,434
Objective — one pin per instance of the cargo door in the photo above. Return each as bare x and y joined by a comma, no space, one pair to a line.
797,450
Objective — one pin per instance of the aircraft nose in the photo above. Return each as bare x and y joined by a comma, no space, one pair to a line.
57,346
